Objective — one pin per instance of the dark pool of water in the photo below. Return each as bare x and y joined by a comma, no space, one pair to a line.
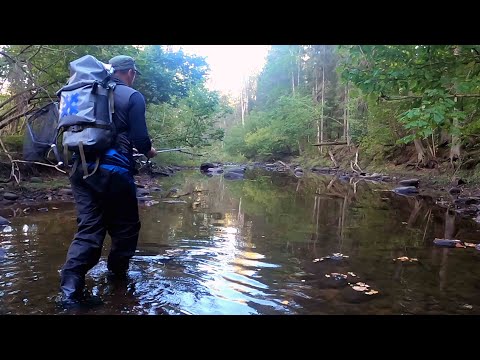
270,244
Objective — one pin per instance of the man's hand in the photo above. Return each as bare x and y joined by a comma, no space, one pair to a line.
152,153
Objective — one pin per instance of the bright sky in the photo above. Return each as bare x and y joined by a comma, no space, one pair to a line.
229,64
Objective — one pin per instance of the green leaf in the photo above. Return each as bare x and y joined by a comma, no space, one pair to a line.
438,118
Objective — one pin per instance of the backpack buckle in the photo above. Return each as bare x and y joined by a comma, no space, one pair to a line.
75,128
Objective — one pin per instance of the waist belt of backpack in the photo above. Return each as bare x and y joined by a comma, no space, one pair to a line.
78,128
83,160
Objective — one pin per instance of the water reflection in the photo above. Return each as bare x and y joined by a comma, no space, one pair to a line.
270,244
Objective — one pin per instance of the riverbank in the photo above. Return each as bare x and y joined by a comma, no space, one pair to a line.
444,189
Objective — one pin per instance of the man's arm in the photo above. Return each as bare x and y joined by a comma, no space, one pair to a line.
138,126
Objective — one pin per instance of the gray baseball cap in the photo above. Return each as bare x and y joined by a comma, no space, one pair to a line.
123,62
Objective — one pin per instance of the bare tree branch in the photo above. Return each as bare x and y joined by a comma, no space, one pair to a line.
15,96
14,165
5,122
24,49
39,163
38,50
17,62
397,98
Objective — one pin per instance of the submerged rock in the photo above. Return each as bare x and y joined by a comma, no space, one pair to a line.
3,221
10,196
405,190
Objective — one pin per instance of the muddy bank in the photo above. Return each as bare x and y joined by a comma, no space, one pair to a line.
43,194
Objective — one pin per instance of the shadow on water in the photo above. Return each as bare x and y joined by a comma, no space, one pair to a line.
269,244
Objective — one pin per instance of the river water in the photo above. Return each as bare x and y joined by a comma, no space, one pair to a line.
269,244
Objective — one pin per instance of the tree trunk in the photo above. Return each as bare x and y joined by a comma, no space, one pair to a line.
316,101
293,82
455,149
346,129
242,107
246,100
420,152
323,101
298,66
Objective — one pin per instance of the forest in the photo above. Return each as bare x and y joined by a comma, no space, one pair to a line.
409,105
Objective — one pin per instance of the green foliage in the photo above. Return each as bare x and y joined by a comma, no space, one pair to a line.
235,141
168,76
190,122
273,133
13,143
425,78
436,108
180,110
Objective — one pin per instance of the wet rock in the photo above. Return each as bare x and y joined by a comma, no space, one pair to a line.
7,202
36,180
205,166
233,176
151,202
456,181
162,171
454,191
142,192
238,170
4,221
320,169
43,209
3,253
155,188
373,177
65,192
298,172
466,201
468,211
410,182
215,171
144,198
10,196
386,178
405,190
172,192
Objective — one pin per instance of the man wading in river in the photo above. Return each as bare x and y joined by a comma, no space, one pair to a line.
106,200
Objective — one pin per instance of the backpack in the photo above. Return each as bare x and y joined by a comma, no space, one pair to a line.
85,112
